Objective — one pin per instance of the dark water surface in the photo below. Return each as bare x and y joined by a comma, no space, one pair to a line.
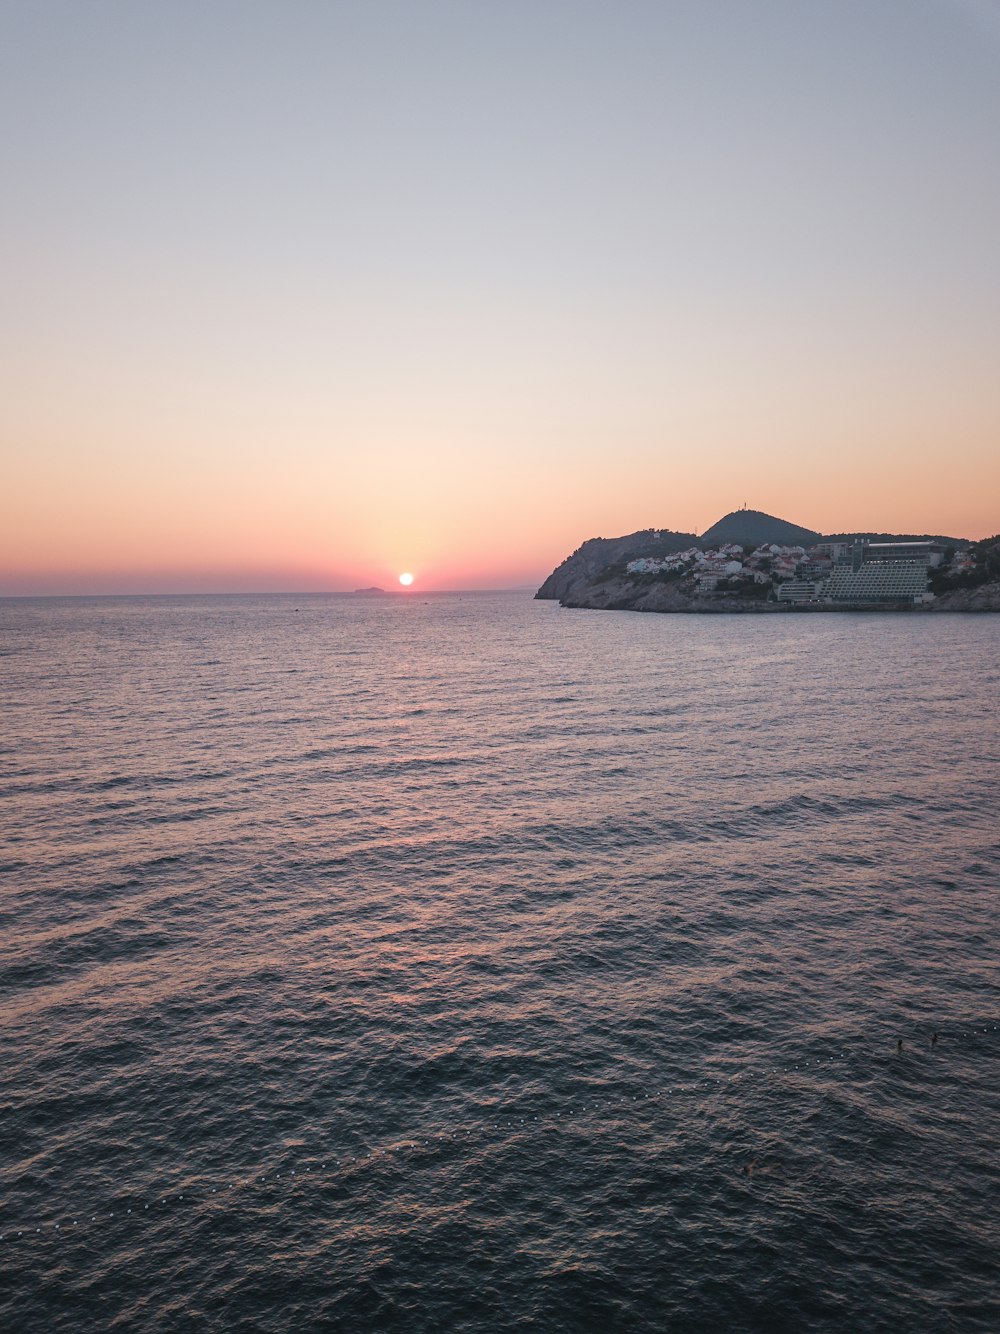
465,963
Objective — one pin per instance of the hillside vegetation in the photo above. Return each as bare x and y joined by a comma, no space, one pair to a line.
751,528
598,554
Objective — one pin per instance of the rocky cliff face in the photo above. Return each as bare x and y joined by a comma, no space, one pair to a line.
984,598
598,553
624,594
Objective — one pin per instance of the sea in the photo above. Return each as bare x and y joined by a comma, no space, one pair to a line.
460,962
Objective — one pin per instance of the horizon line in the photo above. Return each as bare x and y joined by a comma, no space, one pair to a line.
278,593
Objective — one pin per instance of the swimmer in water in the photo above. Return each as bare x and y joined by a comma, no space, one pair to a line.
899,1044
934,1040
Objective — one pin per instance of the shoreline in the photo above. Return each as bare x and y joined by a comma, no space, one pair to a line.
623,595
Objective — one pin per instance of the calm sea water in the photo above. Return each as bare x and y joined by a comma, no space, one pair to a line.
465,963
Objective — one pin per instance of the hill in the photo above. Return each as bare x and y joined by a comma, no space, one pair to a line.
595,574
753,527
598,553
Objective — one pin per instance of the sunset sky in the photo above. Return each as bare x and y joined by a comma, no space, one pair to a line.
303,295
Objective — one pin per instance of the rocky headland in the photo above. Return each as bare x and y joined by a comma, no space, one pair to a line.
598,554
740,564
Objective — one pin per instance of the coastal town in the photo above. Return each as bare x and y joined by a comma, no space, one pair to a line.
756,562
845,572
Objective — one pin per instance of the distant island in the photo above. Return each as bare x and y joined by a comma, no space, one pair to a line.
754,562
371,592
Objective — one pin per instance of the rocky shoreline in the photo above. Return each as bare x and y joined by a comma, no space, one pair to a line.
624,594
748,564
984,598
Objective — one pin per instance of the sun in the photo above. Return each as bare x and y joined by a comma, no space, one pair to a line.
406,580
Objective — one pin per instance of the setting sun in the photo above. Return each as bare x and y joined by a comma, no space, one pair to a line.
406,580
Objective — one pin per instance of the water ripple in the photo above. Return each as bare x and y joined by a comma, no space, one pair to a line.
468,965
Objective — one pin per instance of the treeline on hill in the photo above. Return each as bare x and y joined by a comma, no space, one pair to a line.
986,570
898,537
660,544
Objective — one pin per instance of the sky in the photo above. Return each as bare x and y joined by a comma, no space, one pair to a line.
302,295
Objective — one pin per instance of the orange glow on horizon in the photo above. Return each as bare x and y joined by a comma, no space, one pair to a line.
642,310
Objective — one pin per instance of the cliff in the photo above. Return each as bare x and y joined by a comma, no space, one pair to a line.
985,597
624,593
599,553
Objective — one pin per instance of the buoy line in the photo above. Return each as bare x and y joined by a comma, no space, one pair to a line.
331,1167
